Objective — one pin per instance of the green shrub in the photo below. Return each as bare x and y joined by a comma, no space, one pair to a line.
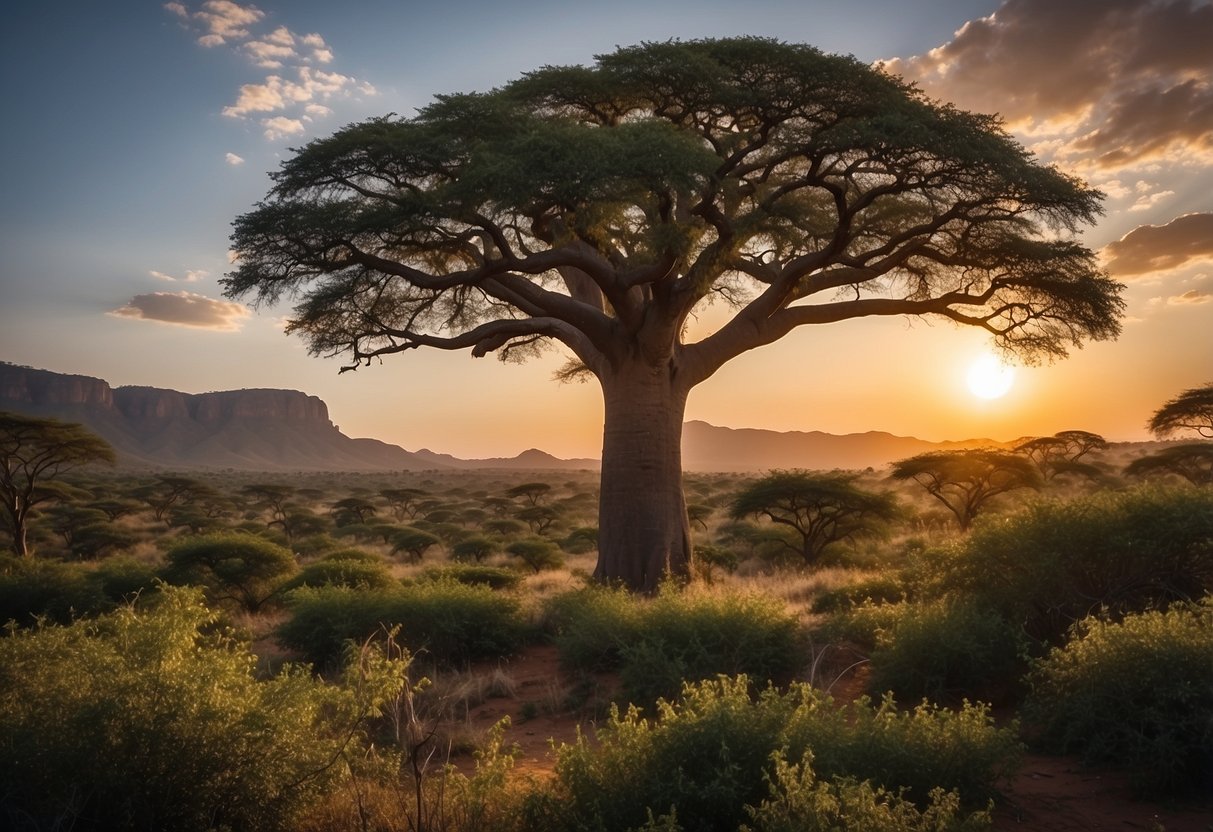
122,578
1053,564
1136,694
537,553
948,650
357,574
493,577
148,719
32,588
475,548
722,756
658,643
916,750
442,622
235,568
800,802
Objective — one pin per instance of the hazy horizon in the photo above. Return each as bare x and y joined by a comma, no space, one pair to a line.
141,132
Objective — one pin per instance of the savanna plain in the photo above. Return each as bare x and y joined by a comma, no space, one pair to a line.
428,650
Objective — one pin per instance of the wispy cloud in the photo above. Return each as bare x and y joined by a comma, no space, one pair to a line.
233,159
1192,297
297,85
1121,82
191,276
1148,249
185,309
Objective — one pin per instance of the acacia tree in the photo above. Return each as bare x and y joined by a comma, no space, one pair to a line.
1062,452
1193,462
33,454
601,207
965,481
821,508
1190,410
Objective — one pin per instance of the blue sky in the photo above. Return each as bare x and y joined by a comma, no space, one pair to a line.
133,138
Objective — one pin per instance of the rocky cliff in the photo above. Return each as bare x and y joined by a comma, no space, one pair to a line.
247,429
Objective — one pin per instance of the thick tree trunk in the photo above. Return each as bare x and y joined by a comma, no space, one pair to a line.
644,534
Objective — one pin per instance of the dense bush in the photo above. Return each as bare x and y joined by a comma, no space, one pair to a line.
1136,694
493,577
148,719
657,643
1053,564
32,588
355,573
948,650
235,568
722,756
443,622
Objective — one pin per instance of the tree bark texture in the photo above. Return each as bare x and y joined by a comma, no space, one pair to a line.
644,533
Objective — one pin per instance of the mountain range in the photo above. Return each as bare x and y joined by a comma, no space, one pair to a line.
287,430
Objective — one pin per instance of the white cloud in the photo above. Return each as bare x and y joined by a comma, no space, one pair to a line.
1148,201
224,20
185,309
280,126
1192,297
233,159
191,276
294,91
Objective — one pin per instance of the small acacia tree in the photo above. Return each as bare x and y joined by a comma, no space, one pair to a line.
965,481
1192,461
600,208
1190,410
33,454
822,509
1062,452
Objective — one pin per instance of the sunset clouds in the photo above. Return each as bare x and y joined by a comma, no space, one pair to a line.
1157,248
1113,82
185,309
283,101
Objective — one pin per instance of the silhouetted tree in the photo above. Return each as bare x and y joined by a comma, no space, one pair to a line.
822,509
1190,410
532,492
1193,462
601,207
965,481
1062,452
34,453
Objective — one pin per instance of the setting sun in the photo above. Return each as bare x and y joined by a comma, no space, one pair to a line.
989,378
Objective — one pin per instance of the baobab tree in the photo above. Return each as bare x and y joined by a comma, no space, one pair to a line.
598,208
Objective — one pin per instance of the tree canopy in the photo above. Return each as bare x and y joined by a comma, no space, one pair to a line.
1190,410
965,481
822,509
33,453
600,208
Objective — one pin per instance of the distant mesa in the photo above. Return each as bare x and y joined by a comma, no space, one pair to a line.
286,430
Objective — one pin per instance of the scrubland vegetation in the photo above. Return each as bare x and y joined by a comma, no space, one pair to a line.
305,653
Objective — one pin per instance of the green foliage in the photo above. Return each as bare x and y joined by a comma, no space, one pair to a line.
537,553
658,643
475,548
800,802
32,589
236,568
720,756
122,578
947,650
442,622
355,573
1053,564
413,542
965,481
1136,694
917,750
822,509
148,719
493,577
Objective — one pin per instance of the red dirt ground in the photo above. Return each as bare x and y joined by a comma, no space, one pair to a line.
1048,794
